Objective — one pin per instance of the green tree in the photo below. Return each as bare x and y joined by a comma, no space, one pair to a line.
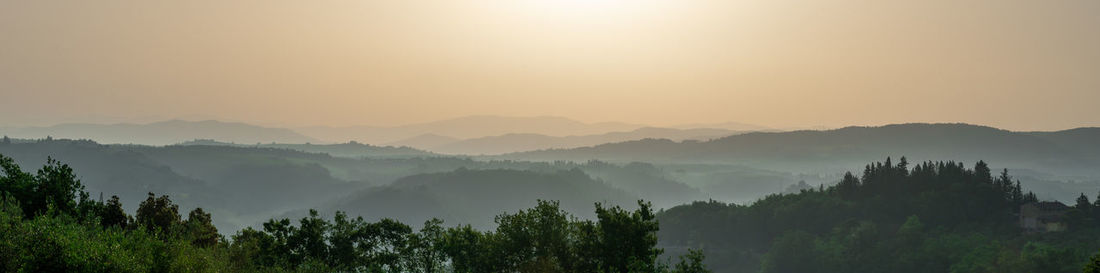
200,228
345,236
114,215
472,251
55,185
1093,266
307,242
17,184
792,252
537,238
628,240
692,262
158,214
1083,203
385,241
425,249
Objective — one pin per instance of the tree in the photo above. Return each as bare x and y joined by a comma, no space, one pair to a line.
1093,266
385,241
628,240
344,239
472,251
200,228
308,241
425,249
1083,203
1096,203
1017,195
56,185
537,237
848,186
692,262
113,215
17,184
158,214
983,173
792,252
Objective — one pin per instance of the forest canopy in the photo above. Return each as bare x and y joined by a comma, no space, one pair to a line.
49,224
894,217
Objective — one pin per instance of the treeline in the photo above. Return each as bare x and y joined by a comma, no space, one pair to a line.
931,217
48,223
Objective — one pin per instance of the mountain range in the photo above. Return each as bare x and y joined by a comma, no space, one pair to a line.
1069,152
518,142
161,133
474,135
466,127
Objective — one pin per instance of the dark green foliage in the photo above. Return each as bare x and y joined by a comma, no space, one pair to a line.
692,263
628,239
57,243
1093,266
113,215
542,239
158,214
931,217
200,228
52,187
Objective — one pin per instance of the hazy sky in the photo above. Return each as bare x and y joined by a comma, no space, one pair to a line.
1018,64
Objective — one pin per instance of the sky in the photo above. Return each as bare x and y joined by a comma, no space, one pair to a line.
1015,64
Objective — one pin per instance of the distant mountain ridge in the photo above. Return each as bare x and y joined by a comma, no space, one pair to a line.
350,149
466,127
161,133
1071,150
509,143
476,196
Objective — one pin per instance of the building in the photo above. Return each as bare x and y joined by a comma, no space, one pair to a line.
1046,216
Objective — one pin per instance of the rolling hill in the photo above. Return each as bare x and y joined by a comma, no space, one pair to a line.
465,196
510,143
464,128
1071,152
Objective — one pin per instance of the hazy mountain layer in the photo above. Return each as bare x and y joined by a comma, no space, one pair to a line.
510,143
242,185
466,127
1067,152
161,133
476,196
351,149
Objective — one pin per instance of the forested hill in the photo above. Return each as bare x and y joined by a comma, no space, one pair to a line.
48,223
350,149
243,185
476,196
931,217
1067,152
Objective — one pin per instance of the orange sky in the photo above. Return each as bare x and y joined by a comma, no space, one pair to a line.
1017,64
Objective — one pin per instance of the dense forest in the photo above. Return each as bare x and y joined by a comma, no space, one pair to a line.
48,223
931,217
247,185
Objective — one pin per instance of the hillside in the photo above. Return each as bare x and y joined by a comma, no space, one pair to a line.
464,128
239,185
474,196
510,143
1071,152
351,149
243,184
896,217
